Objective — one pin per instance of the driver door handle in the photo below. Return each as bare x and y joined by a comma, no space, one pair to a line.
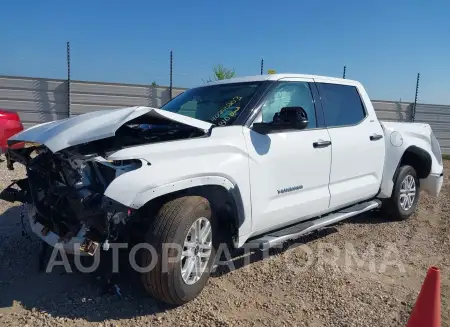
321,144
375,137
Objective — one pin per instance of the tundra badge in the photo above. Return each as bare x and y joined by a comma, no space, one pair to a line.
290,189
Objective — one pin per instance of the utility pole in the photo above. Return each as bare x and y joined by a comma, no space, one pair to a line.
68,80
262,66
345,70
171,66
413,117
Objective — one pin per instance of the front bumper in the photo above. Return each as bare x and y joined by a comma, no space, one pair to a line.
72,246
81,243
433,183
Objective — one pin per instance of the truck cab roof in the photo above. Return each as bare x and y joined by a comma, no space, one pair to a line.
275,77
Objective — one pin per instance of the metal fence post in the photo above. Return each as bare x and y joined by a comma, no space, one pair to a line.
68,80
171,62
262,66
413,115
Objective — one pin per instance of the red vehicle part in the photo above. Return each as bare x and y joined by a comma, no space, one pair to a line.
9,125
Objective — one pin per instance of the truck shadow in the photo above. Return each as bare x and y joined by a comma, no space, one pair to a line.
243,257
370,217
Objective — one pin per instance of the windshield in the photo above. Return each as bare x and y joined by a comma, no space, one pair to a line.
218,104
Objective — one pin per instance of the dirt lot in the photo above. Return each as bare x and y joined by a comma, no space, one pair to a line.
311,283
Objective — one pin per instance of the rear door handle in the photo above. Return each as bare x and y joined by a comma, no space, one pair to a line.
375,137
321,144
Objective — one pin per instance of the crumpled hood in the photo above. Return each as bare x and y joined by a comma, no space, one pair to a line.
60,134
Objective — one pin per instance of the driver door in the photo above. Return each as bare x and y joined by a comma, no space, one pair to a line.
289,169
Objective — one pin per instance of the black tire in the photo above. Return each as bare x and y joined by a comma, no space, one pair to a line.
392,206
171,225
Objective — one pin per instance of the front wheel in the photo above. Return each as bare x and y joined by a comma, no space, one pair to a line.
183,230
405,194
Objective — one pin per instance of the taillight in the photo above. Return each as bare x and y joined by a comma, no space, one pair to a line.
436,148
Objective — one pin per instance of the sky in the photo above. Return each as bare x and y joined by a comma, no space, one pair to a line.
384,44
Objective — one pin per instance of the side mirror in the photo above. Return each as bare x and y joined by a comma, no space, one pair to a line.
287,119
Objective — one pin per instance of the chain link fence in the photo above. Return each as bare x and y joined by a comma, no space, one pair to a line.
39,100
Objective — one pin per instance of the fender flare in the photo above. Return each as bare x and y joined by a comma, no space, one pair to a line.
420,152
142,198
390,175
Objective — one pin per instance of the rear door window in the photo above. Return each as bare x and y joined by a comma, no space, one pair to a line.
341,104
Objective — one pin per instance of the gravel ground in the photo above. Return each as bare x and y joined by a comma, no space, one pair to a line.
275,291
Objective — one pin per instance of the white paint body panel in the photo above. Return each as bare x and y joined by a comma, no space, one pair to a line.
357,166
357,162
412,134
283,160
220,159
287,160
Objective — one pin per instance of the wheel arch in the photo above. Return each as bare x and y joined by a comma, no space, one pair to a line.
223,195
417,158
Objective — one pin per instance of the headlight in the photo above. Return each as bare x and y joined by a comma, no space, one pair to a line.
436,148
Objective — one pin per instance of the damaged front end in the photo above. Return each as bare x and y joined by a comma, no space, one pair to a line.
68,171
63,194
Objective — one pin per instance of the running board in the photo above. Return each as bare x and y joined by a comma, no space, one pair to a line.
280,236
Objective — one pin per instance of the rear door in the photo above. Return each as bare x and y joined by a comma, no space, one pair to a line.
357,144
289,170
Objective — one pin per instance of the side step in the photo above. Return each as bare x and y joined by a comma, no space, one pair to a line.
276,237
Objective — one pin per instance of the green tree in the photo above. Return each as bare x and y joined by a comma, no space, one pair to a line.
154,83
220,73
271,71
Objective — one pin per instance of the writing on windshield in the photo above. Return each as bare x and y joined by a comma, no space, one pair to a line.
219,104
225,116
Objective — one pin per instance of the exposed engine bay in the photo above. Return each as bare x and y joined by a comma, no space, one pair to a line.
66,193
138,132
66,189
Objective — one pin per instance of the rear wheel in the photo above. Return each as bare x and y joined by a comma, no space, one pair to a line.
405,194
188,227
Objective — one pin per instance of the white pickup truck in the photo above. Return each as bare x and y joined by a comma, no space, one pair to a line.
254,160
